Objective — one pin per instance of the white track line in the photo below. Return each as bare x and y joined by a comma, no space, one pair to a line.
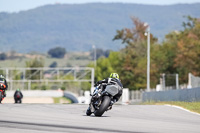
182,109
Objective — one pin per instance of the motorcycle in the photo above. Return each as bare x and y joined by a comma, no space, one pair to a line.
102,99
2,87
18,98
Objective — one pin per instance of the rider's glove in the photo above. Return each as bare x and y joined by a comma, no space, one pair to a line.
95,85
114,100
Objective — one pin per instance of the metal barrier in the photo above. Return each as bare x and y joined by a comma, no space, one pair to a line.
136,96
187,95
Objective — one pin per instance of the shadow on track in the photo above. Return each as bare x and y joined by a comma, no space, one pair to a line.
54,127
95,116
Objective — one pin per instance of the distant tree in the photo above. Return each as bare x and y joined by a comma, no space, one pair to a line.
3,56
100,53
54,64
133,63
57,52
188,49
105,66
107,53
179,53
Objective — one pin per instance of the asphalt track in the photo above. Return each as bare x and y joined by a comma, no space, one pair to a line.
71,118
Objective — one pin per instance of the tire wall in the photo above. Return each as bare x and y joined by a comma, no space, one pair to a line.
70,96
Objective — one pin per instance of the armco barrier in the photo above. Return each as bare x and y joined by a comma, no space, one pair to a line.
188,95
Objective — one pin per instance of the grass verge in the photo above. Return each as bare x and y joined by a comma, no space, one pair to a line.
192,106
62,100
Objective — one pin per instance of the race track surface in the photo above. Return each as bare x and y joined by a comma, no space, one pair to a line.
71,118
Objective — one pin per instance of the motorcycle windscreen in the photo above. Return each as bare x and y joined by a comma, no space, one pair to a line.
112,89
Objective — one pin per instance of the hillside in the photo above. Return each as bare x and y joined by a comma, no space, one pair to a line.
77,27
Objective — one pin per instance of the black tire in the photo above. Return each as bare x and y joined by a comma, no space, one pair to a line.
0,96
103,107
18,101
88,112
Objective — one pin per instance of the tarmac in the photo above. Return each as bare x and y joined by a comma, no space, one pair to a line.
71,118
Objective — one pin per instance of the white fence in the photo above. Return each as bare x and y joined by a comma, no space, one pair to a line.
26,78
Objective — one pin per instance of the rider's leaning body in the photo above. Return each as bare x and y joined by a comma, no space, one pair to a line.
113,79
18,92
3,84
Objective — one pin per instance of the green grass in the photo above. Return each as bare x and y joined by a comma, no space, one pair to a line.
192,106
62,100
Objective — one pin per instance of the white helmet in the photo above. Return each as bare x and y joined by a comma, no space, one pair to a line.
1,76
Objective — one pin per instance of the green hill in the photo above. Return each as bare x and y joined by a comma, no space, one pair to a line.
78,26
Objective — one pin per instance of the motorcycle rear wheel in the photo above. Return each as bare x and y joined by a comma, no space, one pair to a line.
103,107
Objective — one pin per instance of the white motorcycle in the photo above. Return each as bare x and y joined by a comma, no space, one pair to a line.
102,99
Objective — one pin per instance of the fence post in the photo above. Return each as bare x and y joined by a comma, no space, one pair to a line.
11,85
92,81
7,74
163,81
29,85
189,80
177,82
58,74
74,74
24,78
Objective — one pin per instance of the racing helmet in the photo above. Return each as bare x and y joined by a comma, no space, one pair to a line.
2,77
114,75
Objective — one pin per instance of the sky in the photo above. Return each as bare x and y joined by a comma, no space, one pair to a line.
21,5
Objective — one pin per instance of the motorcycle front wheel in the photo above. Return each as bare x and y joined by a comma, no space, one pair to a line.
18,101
103,107
88,112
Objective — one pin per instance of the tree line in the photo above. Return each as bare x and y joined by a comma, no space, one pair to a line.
179,53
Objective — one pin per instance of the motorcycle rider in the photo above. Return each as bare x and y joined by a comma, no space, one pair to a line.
3,84
17,94
113,79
